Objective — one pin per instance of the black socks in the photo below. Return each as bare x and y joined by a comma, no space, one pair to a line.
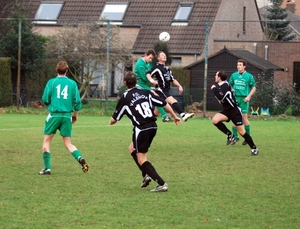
150,170
221,126
133,154
249,140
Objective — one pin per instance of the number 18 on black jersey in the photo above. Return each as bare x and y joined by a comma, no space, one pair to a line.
138,105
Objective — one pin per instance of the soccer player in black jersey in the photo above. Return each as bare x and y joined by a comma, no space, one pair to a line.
164,77
231,111
138,105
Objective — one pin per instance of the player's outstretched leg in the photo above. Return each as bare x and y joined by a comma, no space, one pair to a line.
84,165
77,155
222,127
249,140
150,170
185,116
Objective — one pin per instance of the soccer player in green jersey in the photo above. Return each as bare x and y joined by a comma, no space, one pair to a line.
142,66
244,86
62,97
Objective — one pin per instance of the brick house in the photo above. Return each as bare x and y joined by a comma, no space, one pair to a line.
141,22
283,54
292,6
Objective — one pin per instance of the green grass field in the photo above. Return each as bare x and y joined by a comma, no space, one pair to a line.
211,185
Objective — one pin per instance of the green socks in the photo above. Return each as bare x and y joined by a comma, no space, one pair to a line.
76,154
235,132
247,128
47,160
162,112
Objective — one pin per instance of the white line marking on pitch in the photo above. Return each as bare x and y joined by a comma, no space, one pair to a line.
75,126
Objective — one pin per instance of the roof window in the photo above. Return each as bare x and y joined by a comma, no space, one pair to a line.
114,11
48,11
183,13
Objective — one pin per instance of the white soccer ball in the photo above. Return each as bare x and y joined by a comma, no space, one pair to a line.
164,36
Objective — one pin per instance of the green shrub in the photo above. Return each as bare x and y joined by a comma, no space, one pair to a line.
5,82
265,93
287,100
288,111
279,98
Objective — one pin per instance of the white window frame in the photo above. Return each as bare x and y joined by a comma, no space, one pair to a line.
114,7
181,17
43,10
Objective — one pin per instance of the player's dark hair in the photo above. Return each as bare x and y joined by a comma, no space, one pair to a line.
130,80
62,67
150,52
242,61
222,75
159,53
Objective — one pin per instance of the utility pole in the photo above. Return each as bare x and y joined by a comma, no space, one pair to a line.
19,65
205,68
107,65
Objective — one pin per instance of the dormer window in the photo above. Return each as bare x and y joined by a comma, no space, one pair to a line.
114,12
183,13
48,12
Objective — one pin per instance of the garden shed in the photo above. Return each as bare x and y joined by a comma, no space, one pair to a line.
226,60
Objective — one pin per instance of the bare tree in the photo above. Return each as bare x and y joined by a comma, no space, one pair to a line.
85,47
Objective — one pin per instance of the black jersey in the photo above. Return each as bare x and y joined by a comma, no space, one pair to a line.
163,75
138,105
224,94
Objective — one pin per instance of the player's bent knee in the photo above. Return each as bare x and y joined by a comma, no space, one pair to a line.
131,148
156,112
171,100
215,121
241,132
217,124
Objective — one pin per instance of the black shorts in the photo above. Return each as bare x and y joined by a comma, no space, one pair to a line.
235,115
162,93
142,136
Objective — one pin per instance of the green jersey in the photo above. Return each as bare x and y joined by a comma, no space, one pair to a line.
242,83
61,95
140,69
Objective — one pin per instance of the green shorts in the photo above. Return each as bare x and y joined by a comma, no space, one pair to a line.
143,86
244,106
59,121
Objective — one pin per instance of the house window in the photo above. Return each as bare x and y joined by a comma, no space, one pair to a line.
176,61
49,11
183,13
114,11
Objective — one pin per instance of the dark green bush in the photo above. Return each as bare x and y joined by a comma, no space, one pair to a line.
5,82
279,98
